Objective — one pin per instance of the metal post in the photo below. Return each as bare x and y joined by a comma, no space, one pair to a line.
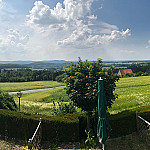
19,96
19,103
103,147
137,125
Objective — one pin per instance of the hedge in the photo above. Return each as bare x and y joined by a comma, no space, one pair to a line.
22,126
123,123
68,128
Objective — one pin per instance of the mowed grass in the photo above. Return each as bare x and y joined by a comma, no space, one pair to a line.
132,92
22,86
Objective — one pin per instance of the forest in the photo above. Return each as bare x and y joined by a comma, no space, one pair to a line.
23,75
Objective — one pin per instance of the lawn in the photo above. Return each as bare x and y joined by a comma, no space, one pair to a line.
132,92
22,86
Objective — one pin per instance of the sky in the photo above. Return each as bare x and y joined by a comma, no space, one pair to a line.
67,29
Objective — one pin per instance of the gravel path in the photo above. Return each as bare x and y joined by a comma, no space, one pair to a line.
35,90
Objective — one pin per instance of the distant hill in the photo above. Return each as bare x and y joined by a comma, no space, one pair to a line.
48,64
58,64
52,65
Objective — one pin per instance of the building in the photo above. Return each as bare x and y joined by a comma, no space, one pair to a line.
122,72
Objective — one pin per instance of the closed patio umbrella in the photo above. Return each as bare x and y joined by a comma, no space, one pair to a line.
103,126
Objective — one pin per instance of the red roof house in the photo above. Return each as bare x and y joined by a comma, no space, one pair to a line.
122,72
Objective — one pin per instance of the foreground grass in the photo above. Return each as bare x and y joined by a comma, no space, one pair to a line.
132,92
22,86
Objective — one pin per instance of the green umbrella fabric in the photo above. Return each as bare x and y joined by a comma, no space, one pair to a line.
103,126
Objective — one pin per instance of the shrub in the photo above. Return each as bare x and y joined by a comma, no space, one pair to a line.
7,101
63,109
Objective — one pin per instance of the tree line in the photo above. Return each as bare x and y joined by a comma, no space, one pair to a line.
140,68
24,75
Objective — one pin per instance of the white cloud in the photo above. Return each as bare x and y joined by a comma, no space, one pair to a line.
42,14
1,4
13,41
110,26
127,51
71,26
92,17
83,38
148,44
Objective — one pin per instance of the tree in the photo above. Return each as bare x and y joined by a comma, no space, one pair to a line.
81,80
7,101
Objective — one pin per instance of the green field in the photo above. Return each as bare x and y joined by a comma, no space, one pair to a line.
41,102
132,92
22,86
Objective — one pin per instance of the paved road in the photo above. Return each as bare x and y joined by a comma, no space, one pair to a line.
35,90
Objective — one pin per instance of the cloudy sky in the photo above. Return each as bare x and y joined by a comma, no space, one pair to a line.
67,29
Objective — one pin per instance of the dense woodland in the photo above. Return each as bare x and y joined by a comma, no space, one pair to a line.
23,75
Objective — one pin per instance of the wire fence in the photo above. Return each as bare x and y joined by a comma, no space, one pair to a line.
143,128
35,141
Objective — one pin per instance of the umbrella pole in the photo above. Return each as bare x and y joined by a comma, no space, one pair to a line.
103,147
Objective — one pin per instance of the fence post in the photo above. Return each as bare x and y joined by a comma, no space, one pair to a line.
30,144
137,122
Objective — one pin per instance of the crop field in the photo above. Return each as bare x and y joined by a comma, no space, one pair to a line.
22,86
132,92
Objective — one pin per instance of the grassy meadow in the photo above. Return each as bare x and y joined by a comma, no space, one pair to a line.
22,86
132,92
41,102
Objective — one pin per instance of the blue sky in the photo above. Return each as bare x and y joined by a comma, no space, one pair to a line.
68,29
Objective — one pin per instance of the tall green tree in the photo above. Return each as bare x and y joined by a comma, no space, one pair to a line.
81,80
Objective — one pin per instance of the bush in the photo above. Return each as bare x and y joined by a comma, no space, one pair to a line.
63,109
7,101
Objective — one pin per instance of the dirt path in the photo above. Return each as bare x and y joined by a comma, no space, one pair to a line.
35,90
